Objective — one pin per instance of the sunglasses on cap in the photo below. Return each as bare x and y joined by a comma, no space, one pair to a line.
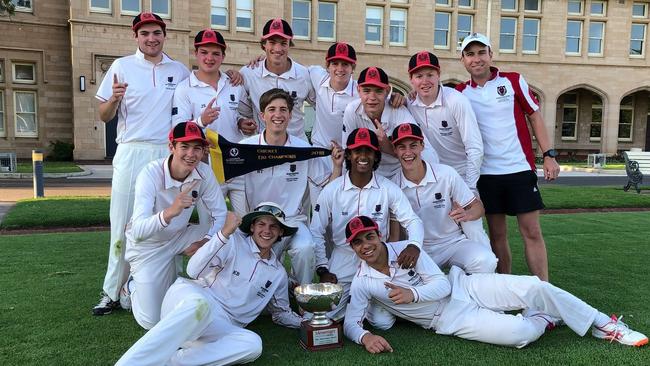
275,211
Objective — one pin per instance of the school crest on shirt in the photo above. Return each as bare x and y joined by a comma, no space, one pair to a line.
414,278
439,201
503,95
445,130
293,174
378,214
501,90
233,103
263,291
170,84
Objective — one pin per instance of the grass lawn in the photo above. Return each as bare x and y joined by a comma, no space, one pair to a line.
50,167
49,283
582,164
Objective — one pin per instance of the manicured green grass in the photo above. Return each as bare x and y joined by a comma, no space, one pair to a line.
58,212
556,196
582,164
50,282
50,167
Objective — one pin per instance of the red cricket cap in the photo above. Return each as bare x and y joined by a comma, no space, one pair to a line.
374,76
341,51
423,59
358,225
277,27
209,36
406,131
362,137
145,18
187,131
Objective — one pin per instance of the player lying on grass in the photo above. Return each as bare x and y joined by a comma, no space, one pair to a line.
467,306
236,275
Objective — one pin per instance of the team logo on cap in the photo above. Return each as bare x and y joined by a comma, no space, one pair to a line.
276,24
362,135
423,57
373,74
147,16
405,128
191,128
209,35
438,196
445,124
356,224
342,48
501,90
234,152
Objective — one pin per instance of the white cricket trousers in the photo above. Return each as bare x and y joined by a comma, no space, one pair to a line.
130,158
475,232
474,311
376,315
471,256
197,324
300,247
154,270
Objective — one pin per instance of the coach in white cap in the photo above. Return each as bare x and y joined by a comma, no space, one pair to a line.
139,89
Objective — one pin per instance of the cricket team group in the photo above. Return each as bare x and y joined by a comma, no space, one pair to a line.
401,197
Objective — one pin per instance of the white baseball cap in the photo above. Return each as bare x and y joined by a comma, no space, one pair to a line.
475,37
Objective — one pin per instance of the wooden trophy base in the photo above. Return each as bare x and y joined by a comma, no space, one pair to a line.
321,338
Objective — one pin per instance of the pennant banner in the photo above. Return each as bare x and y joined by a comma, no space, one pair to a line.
231,160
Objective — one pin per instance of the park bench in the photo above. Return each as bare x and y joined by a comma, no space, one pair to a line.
637,165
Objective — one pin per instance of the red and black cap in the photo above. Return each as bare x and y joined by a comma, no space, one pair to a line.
277,27
423,59
374,76
358,225
406,131
341,51
209,36
145,18
187,131
362,137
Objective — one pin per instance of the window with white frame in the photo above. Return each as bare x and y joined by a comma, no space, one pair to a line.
573,37
374,24
301,18
400,1
24,73
569,116
441,29
466,3
509,5
25,114
530,42
598,8
23,5
101,6
639,10
244,15
596,38
534,6
596,119
219,14
574,7
2,114
464,26
443,2
130,7
507,34
625,119
162,7
637,39
326,21
398,18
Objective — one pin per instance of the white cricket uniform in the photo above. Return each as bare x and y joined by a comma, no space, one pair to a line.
355,117
287,185
338,203
203,320
190,100
501,106
330,106
143,124
153,244
295,81
432,200
473,310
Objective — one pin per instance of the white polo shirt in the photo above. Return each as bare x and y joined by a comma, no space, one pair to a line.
285,184
155,190
341,200
330,106
233,273
501,106
433,198
429,285
450,126
295,81
355,117
193,95
145,113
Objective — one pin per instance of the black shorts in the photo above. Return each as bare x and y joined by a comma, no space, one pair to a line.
510,194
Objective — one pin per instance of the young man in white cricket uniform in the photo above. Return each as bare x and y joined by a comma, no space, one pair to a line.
469,307
502,102
448,122
139,89
166,192
288,183
235,276
278,71
371,111
442,199
208,98
360,192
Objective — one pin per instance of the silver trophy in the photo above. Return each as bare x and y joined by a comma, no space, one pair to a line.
320,332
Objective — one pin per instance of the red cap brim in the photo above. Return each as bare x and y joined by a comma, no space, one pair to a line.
191,138
418,67
375,83
359,231
407,137
143,22
210,42
342,58
362,143
276,33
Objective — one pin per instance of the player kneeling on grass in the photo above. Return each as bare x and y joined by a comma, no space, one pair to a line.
467,306
237,275
166,192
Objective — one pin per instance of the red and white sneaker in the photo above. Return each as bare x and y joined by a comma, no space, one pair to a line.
617,331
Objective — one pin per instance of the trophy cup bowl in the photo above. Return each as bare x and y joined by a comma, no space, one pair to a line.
318,298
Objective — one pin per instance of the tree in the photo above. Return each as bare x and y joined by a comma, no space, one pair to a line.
7,6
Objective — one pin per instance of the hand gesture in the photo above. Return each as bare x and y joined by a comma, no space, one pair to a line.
409,256
209,114
247,126
183,200
235,76
119,89
375,343
255,62
399,295
397,100
384,144
232,223
337,154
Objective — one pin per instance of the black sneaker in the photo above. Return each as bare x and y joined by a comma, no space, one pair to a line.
105,305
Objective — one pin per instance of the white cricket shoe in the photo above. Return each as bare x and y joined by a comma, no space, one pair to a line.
125,294
618,331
